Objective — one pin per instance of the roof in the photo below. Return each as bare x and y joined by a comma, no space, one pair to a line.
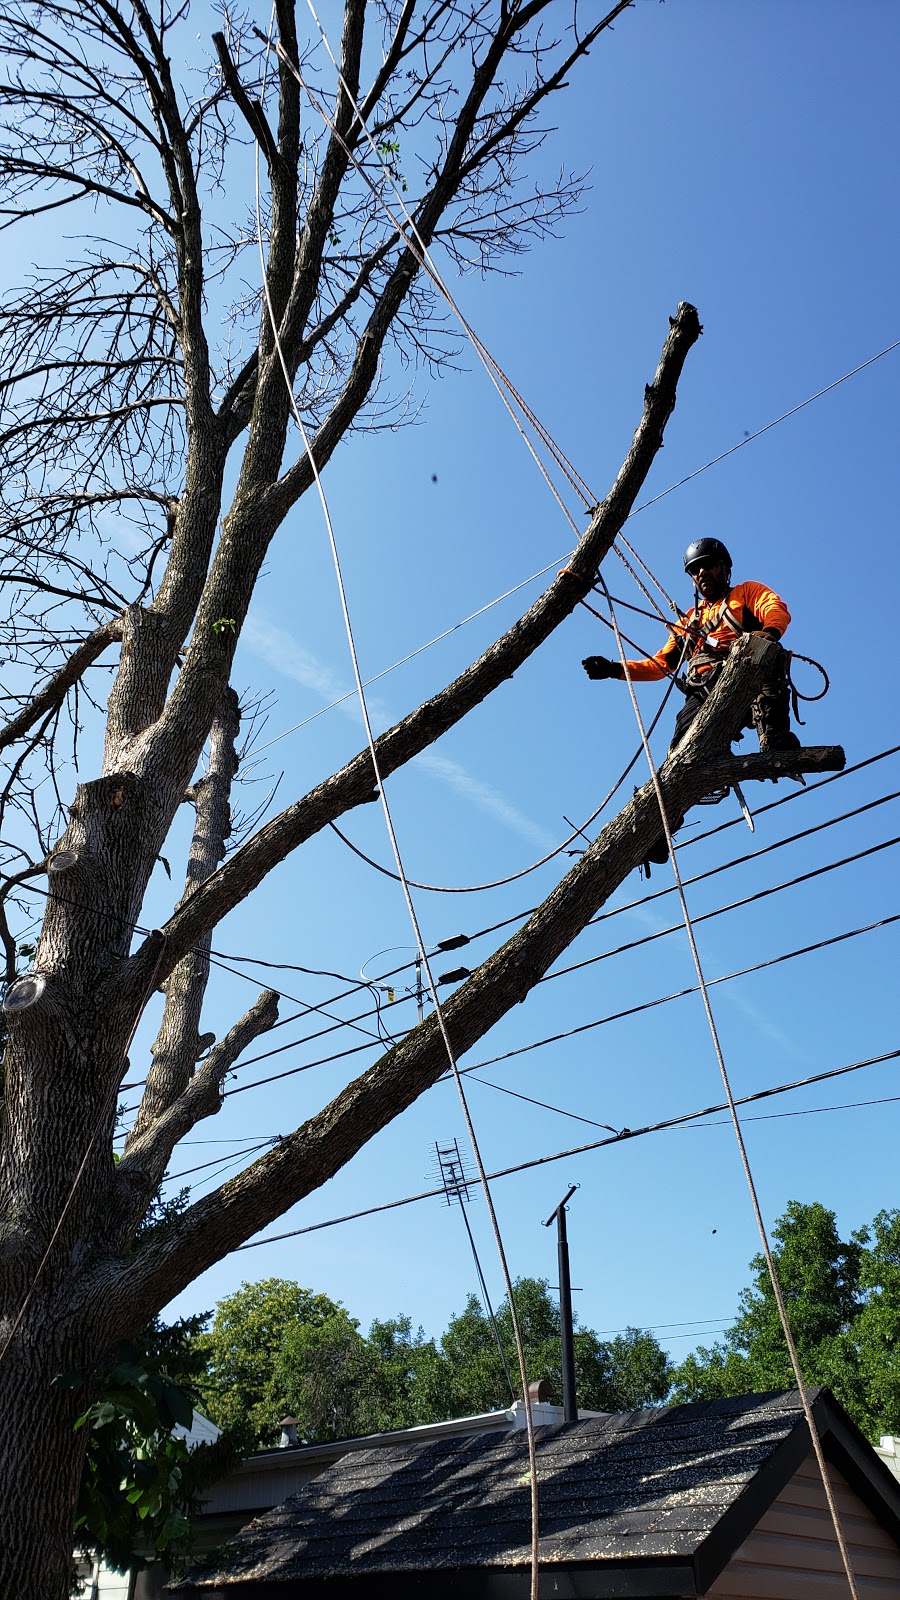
656,1500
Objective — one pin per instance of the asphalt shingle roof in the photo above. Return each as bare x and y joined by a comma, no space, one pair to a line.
640,1485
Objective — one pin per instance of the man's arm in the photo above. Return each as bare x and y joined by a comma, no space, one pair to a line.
648,670
768,608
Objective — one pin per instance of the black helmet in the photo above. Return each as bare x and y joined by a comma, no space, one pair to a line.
706,549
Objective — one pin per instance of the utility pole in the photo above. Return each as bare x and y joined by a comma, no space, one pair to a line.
566,1331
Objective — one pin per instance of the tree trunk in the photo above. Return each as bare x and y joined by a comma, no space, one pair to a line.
41,1457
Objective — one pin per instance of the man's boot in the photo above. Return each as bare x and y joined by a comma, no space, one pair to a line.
771,714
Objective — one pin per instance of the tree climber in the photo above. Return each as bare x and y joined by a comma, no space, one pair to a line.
703,637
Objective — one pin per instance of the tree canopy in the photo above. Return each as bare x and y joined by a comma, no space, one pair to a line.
275,1349
843,1302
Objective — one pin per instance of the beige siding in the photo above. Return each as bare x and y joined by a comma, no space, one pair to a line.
792,1553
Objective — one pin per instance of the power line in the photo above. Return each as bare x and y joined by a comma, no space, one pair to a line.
295,1044
709,833
603,916
581,1149
354,1022
678,994
591,960
734,905
584,1027
458,941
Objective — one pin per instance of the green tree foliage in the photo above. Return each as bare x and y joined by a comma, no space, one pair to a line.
341,1384
610,1375
843,1301
275,1348
141,1483
243,1389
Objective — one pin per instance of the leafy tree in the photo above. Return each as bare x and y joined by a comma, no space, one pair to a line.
843,1302
339,1383
243,1387
626,1371
877,1324
149,458
142,1484
335,1381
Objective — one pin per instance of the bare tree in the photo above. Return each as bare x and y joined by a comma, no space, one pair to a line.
120,415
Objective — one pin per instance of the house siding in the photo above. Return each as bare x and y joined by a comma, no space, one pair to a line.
792,1553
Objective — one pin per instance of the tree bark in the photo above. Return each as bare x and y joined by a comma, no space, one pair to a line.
42,1454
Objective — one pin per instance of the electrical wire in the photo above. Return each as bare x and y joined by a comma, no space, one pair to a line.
709,833
584,1027
460,940
734,905
590,960
678,994
577,1150
647,938
356,986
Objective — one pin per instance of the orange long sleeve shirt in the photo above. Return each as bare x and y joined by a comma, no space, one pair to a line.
713,627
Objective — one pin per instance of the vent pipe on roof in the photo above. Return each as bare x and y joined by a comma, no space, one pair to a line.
288,1426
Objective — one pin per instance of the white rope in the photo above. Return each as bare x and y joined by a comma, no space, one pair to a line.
410,906
726,1084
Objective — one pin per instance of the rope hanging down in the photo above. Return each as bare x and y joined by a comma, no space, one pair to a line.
411,910
668,835
739,1136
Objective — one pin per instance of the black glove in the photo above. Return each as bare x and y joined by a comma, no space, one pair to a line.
599,667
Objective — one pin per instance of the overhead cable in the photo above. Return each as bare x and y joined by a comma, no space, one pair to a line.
577,1150
569,1033
633,944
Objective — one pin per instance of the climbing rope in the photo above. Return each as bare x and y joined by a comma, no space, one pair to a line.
735,1119
796,696
494,372
407,894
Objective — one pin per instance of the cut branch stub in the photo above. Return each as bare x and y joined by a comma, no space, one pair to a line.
24,993
63,861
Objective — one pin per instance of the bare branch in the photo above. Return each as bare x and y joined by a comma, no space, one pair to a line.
353,784
177,1044
54,692
141,1169
250,110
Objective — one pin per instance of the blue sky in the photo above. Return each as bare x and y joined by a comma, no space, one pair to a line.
742,158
